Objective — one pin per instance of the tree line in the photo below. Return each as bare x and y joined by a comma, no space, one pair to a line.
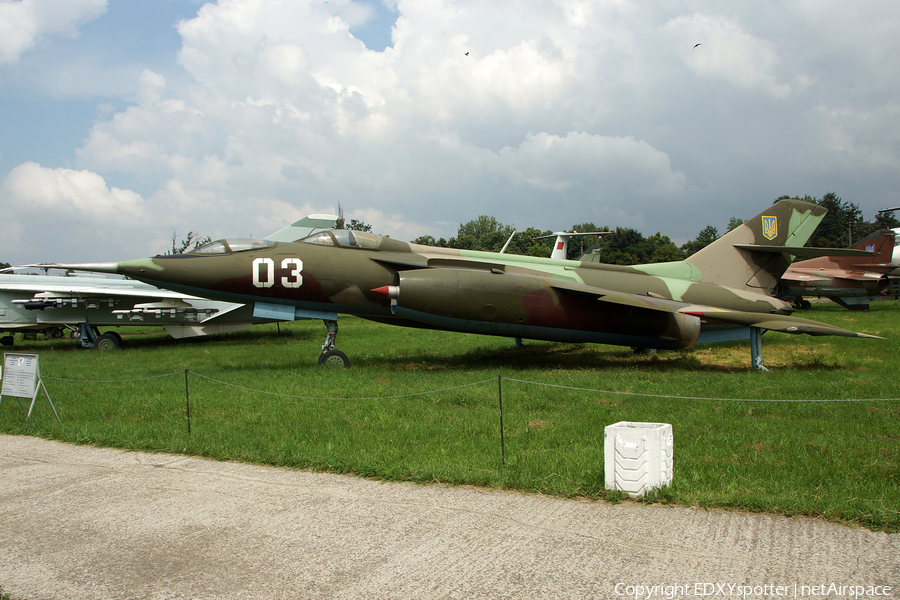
842,227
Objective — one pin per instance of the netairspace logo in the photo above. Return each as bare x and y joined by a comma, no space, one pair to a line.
734,590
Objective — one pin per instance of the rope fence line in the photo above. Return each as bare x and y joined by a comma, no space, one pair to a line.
499,378
465,385
565,387
111,380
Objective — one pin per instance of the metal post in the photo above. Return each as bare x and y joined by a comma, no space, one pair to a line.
502,441
756,348
187,398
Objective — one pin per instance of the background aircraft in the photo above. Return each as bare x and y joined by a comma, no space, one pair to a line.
721,292
56,304
561,247
847,280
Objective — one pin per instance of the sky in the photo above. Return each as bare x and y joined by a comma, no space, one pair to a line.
127,122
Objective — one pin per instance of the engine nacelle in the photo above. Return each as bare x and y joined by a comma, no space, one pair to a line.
683,331
498,303
884,285
469,295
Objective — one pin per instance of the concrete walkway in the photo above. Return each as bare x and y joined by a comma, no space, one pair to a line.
84,522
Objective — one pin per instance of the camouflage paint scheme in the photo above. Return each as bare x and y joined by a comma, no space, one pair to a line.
847,280
722,292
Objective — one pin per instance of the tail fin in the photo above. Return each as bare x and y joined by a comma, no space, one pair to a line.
748,256
561,248
882,244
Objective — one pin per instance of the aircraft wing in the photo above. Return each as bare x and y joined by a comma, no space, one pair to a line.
858,277
36,301
57,287
712,314
774,322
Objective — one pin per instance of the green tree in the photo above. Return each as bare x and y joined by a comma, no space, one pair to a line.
483,233
359,226
734,223
664,250
883,220
624,247
583,244
840,226
191,241
425,240
524,243
707,236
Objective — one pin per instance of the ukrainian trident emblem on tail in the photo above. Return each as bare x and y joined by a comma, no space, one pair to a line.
770,227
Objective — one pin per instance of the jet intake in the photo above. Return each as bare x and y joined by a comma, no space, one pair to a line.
464,294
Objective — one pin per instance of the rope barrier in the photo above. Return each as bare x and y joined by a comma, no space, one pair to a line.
449,389
332,398
112,380
701,397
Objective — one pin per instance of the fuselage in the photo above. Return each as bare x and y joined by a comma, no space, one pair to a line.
480,292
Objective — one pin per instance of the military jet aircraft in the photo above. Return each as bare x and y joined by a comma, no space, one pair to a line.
847,280
722,292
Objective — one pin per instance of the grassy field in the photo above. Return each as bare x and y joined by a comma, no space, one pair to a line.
422,406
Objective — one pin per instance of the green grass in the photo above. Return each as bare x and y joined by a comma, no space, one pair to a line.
258,397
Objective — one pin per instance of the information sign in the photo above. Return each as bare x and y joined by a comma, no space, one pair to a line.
22,379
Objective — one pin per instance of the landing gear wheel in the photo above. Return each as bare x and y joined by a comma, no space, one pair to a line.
334,359
108,341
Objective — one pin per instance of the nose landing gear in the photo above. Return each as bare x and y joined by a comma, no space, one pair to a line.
330,357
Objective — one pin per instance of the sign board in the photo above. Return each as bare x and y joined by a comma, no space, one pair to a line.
22,379
20,375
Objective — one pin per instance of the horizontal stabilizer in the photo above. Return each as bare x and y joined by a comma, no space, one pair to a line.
805,252
773,322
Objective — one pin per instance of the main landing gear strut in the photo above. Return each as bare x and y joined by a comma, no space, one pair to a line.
332,358
756,348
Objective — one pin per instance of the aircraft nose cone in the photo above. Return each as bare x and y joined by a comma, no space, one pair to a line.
390,291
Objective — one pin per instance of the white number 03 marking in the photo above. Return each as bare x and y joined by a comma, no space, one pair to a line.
264,272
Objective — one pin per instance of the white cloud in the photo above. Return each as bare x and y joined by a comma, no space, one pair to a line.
68,194
23,22
66,208
563,111
556,164
727,52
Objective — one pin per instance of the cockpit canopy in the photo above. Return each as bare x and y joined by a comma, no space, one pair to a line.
345,238
232,245
341,238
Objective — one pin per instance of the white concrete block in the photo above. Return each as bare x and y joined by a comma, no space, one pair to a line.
638,456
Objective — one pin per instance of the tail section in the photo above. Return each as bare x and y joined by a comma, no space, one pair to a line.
755,254
882,244
561,248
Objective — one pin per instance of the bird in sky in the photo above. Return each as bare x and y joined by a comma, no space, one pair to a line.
695,45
